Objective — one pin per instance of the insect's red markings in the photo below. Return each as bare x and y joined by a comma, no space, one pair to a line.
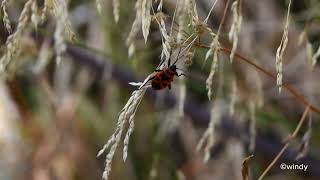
163,79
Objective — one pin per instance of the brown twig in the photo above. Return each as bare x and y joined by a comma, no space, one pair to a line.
289,88
293,135
223,17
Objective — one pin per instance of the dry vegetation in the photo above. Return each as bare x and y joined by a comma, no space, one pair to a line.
72,74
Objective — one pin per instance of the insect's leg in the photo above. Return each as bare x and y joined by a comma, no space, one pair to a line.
151,78
169,86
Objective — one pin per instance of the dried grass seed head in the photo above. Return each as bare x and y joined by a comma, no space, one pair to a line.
126,115
5,19
281,49
208,138
146,18
61,20
160,18
35,17
134,28
315,57
116,10
235,26
13,41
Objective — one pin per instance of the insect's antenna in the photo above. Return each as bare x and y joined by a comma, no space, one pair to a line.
187,48
177,58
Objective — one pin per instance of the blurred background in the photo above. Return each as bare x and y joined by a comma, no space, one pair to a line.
54,118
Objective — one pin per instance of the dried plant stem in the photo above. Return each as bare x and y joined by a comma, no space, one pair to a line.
61,18
315,57
289,88
223,17
99,6
13,41
116,10
126,115
6,20
281,49
235,27
293,135
214,48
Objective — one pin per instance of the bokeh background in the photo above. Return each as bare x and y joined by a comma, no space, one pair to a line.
54,118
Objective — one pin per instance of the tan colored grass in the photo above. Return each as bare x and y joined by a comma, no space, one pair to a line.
59,33
116,10
35,17
208,138
135,28
146,18
48,5
235,26
126,115
252,126
99,6
315,57
13,42
5,19
281,49
234,97
214,66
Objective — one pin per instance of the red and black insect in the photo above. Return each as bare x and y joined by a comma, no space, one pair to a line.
164,77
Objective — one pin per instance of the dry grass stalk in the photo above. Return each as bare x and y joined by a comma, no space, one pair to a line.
234,97
160,5
6,20
292,136
44,57
315,57
35,17
116,9
99,6
309,52
234,155
304,146
214,48
302,37
208,138
165,38
214,67
252,126
183,7
281,49
13,41
189,56
235,27
61,20
135,28
182,97
126,115
201,27
146,18
60,6
48,5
